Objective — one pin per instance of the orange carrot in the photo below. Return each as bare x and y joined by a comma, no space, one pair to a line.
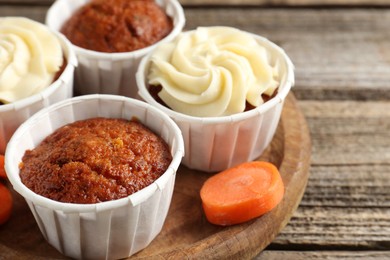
5,203
241,193
2,170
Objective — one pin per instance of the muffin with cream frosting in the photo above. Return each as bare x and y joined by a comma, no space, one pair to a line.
224,87
213,72
36,70
110,38
31,55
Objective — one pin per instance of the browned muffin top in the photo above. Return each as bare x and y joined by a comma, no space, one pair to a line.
117,25
95,160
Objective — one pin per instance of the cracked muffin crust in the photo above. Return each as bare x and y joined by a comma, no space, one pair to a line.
95,160
117,25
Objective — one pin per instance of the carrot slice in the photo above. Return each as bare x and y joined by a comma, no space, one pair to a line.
2,170
5,203
241,193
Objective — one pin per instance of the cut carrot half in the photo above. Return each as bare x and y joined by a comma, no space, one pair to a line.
241,193
2,170
5,203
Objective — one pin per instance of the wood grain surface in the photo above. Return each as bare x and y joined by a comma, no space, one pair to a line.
346,206
240,2
338,53
340,50
186,232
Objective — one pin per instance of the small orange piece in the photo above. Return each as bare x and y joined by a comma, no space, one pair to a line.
2,170
242,193
5,203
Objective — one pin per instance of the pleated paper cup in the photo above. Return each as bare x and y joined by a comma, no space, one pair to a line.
14,114
217,143
109,73
107,230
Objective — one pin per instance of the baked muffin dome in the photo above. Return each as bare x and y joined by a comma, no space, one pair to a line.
117,25
95,160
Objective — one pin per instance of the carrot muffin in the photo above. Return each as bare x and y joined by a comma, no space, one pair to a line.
95,160
225,89
212,71
31,58
117,25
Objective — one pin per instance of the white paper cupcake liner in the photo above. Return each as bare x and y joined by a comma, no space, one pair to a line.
13,114
109,73
217,143
108,230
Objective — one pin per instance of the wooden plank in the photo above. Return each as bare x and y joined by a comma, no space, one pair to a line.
343,207
239,2
349,133
361,186
26,2
36,13
287,2
345,109
337,228
304,255
347,201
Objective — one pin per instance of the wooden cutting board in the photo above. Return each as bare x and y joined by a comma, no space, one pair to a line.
186,232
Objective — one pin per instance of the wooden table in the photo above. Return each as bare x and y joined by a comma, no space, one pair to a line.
341,51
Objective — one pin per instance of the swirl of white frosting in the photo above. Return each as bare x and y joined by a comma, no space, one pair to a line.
30,56
212,71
